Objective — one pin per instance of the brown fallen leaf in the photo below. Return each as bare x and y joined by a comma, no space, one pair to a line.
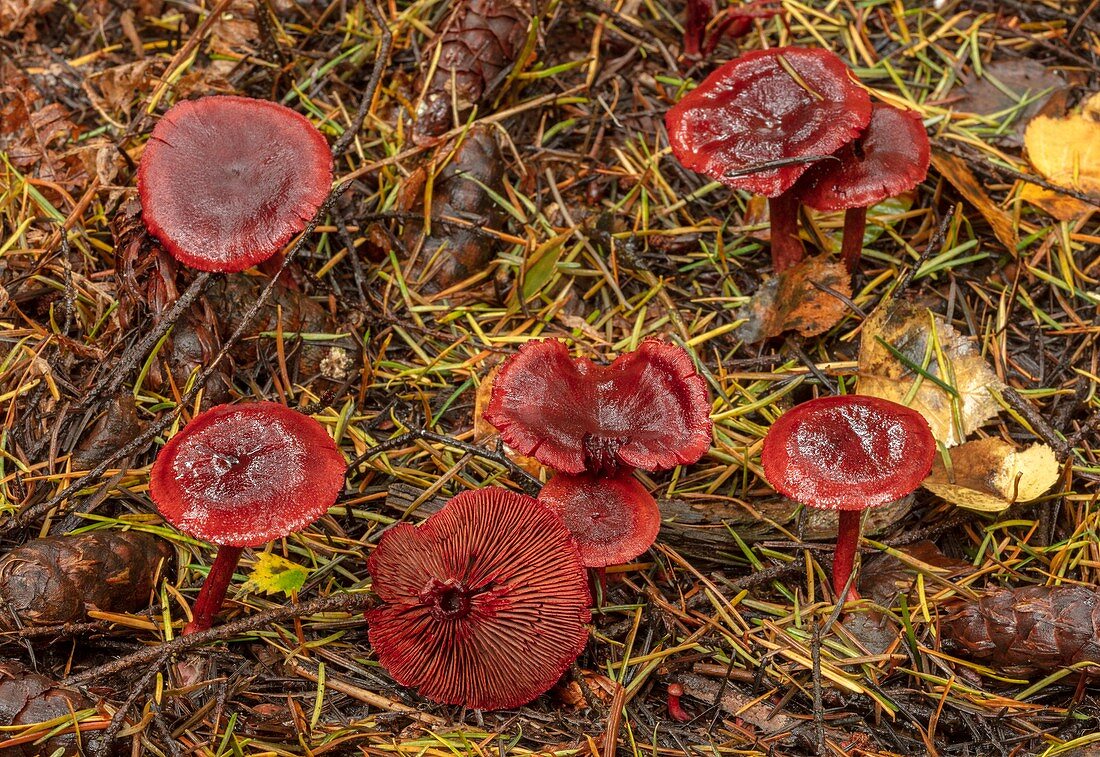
1003,86
991,474
963,179
793,301
887,575
1066,151
956,392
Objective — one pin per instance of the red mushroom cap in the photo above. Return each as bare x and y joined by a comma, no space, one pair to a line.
848,452
485,602
649,409
752,111
225,182
613,518
242,475
890,157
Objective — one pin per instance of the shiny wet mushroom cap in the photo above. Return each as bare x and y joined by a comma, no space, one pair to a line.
648,409
847,453
226,182
484,603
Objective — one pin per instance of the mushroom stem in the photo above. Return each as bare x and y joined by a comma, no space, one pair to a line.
844,558
675,709
787,249
851,249
212,593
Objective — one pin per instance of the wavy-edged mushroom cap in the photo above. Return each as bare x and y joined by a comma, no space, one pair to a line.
848,452
225,181
764,106
648,409
890,157
485,602
613,518
242,475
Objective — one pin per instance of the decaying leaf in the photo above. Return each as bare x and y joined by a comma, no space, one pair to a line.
1011,88
887,575
273,574
991,474
59,578
912,356
1066,151
797,300
963,179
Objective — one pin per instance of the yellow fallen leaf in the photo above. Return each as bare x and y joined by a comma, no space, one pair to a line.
1066,152
963,179
912,356
272,574
991,474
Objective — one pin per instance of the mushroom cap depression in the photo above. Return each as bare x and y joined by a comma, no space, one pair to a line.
890,157
648,409
242,475
848,452
613,518
765,106
225,181
485,602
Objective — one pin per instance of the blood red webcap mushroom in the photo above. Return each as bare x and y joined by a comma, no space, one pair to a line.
595,424
848,454
758,122
649,409
613,518
890,157
485,602
225,182
239,476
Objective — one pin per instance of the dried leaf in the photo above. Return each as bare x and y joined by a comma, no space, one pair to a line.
1004,84
14,14
1066,151
27,698
885,576
991,474
273,574
792,301
952,387
962,178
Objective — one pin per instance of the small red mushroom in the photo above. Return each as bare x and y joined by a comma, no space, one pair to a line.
595,424
649,409
484,603
613,518
847,453
242,475
758,122
225,182
890,157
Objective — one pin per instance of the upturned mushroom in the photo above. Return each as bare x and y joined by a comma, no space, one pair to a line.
239,476
759,122
847,453
594,425
484,604
226,182
890,157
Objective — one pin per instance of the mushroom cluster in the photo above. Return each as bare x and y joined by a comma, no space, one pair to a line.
794,125
594,425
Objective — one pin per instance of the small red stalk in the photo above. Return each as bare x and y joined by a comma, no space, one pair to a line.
844,557
675,709
213,590
787,249
851,249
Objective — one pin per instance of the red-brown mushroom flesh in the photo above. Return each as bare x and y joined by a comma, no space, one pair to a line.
225,182
242,475
890,157
484,603
847,453
758,122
